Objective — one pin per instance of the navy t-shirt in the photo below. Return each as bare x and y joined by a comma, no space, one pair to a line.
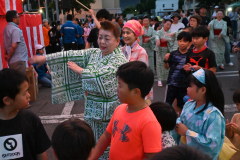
80,33
41,71
177,74
69,31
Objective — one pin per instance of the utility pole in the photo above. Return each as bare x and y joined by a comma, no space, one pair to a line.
57,10
39,4
46,8
193,4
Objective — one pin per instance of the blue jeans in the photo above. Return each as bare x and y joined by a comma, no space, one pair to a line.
234,28
46,81
227,52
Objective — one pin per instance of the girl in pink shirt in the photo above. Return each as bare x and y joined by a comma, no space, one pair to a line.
87,31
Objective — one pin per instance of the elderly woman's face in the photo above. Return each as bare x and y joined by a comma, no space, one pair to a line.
107,41
219,15
46,23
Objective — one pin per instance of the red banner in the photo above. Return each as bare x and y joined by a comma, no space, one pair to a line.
6,5
31,25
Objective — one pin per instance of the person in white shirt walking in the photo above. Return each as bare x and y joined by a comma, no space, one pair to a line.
176,25
215,12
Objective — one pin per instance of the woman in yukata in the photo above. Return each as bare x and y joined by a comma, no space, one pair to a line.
164,42
93,71
147,41
132,50
202,124
218,38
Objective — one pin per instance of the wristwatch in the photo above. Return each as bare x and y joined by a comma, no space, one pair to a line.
165,61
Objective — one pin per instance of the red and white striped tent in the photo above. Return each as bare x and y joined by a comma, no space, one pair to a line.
6,5
31,25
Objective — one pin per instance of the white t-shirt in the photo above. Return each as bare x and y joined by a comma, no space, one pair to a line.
176,27
214,14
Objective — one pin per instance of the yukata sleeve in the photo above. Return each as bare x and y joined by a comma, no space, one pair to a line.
140,40
158,35
102,81
224,29
67,85
211,29
212,136
143,56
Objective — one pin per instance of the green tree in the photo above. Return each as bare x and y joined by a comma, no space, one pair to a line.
130,10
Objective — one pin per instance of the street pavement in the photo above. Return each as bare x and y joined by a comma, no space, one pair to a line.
51,115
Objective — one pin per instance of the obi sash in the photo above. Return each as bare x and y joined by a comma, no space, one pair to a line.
144,39
163,43
217,31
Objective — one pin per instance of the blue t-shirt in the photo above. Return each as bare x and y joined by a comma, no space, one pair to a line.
41,71
177,74
69,31
80,33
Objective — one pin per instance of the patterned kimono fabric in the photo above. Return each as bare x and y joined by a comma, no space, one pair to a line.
138,53
218,45
163,49
206,130
150,33
175,45
98,80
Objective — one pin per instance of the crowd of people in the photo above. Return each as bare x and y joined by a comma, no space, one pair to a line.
112,66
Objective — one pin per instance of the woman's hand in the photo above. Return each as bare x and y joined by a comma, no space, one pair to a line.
164,40
181,129
147,40
74,67
170,34
235,128
158,43
40,60
219,36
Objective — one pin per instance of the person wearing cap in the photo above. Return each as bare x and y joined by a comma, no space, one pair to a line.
132,50
214,15
183,19
176,25
16,53
168,15
205,19
43,71
234,16
46,29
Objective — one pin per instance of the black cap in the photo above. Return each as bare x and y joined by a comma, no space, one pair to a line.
203,6
176,14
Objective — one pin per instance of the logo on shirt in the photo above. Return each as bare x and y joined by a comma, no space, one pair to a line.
124,131
11,147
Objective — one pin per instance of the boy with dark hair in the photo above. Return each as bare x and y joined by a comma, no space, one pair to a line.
201,57
167,117
73,140
102,15
175,60
22,135
134,132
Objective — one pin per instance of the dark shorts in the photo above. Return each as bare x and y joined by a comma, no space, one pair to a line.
70,46
178,93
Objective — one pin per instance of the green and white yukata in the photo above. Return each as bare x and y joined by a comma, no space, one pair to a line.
162,73
218,45
98,80
175,45
149,47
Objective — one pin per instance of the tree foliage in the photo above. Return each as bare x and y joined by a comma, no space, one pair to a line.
129,10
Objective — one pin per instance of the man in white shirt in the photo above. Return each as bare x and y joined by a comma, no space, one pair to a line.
215,12
168,15
234,25
176,25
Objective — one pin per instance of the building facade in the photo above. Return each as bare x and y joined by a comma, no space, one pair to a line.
163,6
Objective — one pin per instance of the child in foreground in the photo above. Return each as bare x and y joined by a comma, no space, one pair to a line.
201,57
134,132
167,117
73,139
202,124
233,128
176,87
22,135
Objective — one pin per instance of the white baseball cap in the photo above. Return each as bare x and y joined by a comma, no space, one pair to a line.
216,7
38,46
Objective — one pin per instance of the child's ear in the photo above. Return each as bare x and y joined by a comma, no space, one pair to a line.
7,101
206,39
137,91
203,90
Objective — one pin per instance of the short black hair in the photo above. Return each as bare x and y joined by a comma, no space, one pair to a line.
181,152
236,96
69,17
146,17
168,20
186,36
118,19
189,28
140,18
200,31
165,115
133,18
73,139
156,19
203,6
103,13
178,11
10,82
10,15
137,75
157,25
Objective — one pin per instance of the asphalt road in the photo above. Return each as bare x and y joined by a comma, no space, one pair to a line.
51,115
